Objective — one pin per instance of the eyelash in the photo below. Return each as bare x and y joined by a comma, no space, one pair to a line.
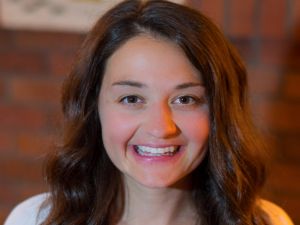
127,100
124,100
195,100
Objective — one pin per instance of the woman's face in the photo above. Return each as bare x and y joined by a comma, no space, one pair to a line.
153,112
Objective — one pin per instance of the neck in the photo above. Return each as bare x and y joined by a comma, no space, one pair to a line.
159,206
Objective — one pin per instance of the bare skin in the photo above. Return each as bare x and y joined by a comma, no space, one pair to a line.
158,206
155,97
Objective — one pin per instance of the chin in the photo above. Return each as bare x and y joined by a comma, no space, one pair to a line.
164,182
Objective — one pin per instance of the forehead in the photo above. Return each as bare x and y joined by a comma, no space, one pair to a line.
146,57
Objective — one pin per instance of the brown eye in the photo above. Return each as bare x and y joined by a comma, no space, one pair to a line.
131,99
185,100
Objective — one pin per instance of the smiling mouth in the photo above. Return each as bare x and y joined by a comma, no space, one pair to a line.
150,151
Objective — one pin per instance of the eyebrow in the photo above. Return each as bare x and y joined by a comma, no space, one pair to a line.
141,85
188,85
129,83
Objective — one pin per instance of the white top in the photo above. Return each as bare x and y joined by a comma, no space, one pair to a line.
28,212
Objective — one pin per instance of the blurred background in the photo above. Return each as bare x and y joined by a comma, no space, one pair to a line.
34,60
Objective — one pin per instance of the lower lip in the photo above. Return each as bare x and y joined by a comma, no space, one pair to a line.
156,159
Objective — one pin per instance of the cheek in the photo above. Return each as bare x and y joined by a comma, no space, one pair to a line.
196,131
196,128
117,128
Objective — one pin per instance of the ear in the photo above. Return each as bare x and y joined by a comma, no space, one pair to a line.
275,214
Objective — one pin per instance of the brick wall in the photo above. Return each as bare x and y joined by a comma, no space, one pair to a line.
34,64
32,68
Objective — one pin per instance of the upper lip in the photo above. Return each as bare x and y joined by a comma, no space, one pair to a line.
158,145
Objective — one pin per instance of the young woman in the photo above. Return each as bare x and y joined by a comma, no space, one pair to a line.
157,128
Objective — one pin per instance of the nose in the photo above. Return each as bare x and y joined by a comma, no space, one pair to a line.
160,122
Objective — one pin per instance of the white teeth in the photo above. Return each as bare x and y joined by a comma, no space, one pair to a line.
145,150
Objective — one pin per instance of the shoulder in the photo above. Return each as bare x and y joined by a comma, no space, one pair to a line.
275,214
29,212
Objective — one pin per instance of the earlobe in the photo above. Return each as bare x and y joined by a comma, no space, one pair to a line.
275,214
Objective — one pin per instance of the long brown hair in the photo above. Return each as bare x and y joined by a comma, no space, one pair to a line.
86,188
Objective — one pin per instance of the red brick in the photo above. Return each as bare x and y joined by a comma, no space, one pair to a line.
295,30
193,3
60,63
2,89
273,18
283,176
246,49
292,59
273,53
43,91
12,193
292,86
5,38
6,142
8,192
290,148
55,119
278,115
263,82
34,144
21,62
212,8
4,212
31,190
295,7
271,142
48,40
21,170
241,18
17,117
